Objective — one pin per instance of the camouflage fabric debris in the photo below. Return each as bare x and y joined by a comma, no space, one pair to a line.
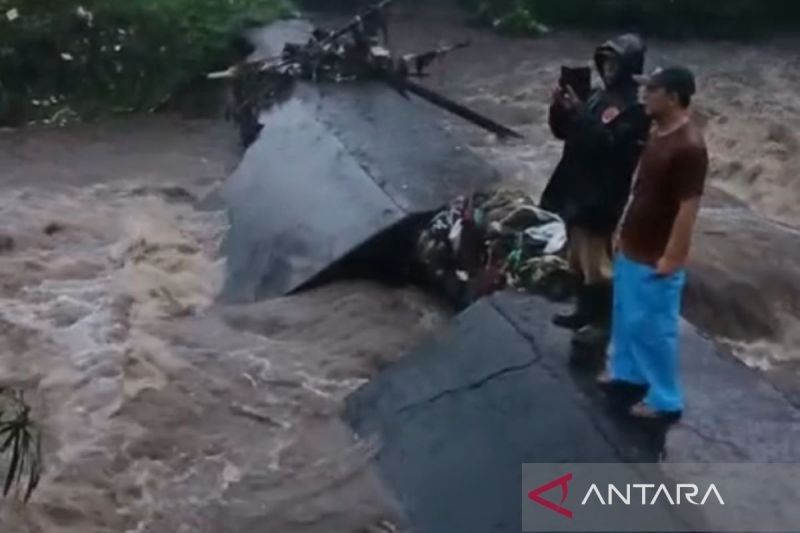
488,241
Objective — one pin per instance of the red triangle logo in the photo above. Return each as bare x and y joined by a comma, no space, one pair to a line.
563,482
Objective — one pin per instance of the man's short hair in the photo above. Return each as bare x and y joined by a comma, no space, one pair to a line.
675,80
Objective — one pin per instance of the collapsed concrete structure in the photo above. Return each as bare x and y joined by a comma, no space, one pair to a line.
335,170
338,170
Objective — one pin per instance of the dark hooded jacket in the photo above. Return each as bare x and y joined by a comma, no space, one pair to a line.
602,145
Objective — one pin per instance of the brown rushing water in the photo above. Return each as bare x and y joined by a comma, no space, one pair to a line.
161,411
165,413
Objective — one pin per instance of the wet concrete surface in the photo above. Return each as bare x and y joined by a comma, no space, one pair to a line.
335,166
459,415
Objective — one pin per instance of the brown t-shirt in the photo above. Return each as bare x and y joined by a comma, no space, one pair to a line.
672,169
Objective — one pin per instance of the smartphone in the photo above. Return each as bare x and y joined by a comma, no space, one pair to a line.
579,78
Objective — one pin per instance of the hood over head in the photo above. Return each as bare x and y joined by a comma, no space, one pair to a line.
630,49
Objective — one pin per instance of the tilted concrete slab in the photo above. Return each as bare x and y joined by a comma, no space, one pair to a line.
334,166
459,415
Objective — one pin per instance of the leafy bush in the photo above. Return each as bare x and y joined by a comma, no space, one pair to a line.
89,56
20,445
711,18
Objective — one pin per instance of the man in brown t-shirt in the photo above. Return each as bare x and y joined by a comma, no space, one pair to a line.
653,246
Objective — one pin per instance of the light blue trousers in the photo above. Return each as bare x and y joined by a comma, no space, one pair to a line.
645,331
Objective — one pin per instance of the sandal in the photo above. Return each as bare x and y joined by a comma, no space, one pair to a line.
611,384
642,411
621,394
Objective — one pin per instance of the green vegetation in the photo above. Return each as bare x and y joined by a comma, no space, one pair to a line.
508,16
20,445
677,18
61,58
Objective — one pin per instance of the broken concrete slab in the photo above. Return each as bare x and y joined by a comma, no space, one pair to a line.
334,166
459,416
733,413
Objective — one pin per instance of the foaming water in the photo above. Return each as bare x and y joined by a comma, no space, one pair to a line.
83,282
769,355
162,412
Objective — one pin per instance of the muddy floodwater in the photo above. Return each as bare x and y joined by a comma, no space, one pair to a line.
165,412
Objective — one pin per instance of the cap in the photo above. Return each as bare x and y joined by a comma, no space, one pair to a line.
679,80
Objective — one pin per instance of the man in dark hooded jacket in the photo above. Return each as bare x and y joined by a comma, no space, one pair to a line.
603,138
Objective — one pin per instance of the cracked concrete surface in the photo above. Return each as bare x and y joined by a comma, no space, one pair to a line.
460,414
472,386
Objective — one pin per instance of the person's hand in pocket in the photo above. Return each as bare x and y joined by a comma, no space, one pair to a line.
667,266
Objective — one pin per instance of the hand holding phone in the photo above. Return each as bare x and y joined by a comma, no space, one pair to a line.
579,79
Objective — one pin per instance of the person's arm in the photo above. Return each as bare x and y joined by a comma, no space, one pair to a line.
624,132
590,131
576,123
680,239
689,170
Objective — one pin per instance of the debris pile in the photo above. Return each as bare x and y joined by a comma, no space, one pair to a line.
359,51
489,241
